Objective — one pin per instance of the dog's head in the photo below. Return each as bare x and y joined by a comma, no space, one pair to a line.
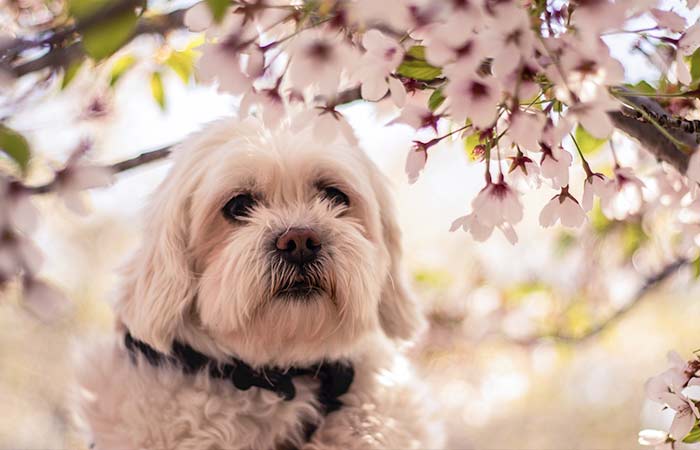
275,247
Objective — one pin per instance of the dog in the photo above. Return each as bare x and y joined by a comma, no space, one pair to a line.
265,308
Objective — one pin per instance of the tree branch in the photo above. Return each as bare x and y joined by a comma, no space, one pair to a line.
59,56
649,137
118,167
649,284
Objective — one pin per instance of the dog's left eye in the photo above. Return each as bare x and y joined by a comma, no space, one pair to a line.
239,206
336,196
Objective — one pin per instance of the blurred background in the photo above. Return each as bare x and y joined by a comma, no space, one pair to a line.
545,344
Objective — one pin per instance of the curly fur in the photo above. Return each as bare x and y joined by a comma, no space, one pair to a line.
214,284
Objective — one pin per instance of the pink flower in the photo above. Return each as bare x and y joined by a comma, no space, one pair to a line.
562,207
75,178
686,414
592,115
669,20
326,123
524,172
382,57
693,171
417,117
497,204
655,438
43,300
415,162
318,59
627,195
595,184
526,129
481,232
473,97
555,164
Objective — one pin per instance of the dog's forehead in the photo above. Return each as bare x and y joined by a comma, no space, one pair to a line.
287,161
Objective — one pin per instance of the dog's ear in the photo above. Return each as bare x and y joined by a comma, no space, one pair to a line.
399,313
159,283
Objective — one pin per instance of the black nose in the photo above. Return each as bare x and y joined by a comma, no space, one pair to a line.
299,245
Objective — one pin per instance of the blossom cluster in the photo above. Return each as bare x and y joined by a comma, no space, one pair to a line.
518,77
678,389
20,258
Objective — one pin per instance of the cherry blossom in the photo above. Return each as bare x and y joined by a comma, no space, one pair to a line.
473,97
596,184
497,203
524,172
417,117
564,208
318,60
526,129
415,162
382,57
626,198
555,165
326,123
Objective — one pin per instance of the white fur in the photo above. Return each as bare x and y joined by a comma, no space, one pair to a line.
212,283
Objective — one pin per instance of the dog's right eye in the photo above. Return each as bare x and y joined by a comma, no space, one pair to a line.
239,206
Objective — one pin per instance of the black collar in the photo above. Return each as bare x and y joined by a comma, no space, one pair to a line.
335,377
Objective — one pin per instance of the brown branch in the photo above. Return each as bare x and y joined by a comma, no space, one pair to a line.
649,284
118,167
59,57
649,137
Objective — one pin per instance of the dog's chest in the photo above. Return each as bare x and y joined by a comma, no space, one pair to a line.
140,406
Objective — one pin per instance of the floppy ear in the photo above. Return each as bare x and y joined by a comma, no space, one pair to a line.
399,313
159,284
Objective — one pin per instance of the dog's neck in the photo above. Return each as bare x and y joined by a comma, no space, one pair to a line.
334,378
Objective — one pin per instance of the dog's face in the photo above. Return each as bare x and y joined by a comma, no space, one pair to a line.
279,249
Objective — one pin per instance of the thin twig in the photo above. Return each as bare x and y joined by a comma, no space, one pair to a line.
649,284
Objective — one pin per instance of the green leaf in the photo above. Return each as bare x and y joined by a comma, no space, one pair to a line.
218,8
470,142
120,67
80,9
415,66
157,89
696,267
416,52
642,87
436,99
586,142
100,41
70,72
182,63
15,146
695,66
693,436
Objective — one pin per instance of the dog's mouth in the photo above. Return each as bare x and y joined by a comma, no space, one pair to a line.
302,284
300,289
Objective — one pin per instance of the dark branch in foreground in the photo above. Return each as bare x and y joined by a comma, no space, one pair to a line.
649,283
649,137
118,167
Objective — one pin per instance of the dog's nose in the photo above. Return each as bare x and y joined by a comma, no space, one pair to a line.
299,245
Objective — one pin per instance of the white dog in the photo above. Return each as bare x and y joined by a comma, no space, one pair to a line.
265,307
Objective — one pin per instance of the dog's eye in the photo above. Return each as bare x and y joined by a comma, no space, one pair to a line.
336,196
239,206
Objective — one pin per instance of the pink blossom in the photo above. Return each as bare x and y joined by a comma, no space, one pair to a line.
327,124
473,97
595,184
417,116
669,20
565,208
76,177
526,129
415,162
627,195
524,172
496,204
481,232
693,172
383,55
318,59
43,300
555,165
